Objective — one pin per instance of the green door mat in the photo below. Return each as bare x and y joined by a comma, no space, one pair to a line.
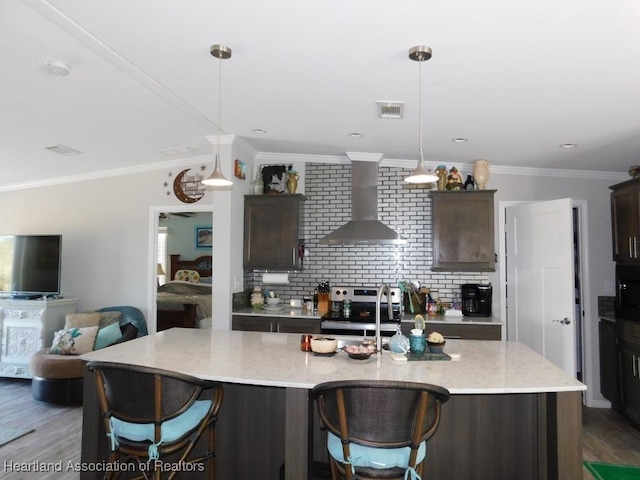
607,471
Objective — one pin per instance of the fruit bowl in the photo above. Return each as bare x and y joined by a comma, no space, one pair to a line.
359,352
435,347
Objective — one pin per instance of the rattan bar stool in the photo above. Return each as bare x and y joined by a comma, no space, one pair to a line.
378,429
151,414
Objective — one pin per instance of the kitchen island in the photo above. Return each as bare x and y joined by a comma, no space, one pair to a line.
512,414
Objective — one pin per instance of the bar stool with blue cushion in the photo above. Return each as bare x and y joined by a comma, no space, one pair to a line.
151,413
378,429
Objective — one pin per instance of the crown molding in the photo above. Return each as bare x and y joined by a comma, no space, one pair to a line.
267,157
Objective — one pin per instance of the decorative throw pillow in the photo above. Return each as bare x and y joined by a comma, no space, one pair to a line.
107,335
107,318
82,320
74,341
187,276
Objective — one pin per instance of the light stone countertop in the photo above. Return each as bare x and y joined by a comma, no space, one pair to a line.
275,359
451,320
286,311
294,312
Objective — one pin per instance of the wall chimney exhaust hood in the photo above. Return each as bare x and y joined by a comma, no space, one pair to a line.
364,228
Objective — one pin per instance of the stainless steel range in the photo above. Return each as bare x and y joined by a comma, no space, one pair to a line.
359,316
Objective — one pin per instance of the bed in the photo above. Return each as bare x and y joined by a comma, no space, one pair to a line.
185,300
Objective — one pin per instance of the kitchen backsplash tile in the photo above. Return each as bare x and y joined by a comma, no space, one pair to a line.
403,207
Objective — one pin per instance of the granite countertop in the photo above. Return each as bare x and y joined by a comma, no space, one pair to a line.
287,311
438,319
296,312
275,359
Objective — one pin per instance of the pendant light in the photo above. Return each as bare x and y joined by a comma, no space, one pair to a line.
421,174
217,178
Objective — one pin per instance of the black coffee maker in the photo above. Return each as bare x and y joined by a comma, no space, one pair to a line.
476,300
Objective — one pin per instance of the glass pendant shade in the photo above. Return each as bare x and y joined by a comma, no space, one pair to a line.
217,178
421,174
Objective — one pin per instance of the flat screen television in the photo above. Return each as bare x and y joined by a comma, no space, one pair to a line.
30,265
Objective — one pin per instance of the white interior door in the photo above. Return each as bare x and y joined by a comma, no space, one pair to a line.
540,280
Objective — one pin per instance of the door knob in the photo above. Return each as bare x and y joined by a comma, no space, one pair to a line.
564,321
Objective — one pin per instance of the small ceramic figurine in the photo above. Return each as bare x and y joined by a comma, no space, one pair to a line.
257,299
441,172
454,180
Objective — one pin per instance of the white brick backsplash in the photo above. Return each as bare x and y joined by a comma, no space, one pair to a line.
405,208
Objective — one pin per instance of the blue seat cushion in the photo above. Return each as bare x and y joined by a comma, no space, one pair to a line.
373,457
171,429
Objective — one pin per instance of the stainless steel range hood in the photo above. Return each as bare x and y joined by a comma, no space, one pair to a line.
364,227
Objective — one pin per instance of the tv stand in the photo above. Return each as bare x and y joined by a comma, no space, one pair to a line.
26,297
26,327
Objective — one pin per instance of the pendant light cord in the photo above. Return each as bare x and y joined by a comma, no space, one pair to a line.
219,101
420,153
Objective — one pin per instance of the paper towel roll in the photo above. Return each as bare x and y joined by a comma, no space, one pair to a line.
275,278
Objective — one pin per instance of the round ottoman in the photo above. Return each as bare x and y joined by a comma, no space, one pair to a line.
57,378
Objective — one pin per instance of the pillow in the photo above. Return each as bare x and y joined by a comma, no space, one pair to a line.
107,318
372,457
107,335
187,276
82,320
74,341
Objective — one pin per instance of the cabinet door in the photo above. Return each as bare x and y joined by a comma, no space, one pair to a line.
625,210
298,325
272,231
609,375
630,382
250,323
463,231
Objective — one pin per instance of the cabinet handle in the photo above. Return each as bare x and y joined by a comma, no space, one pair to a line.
634,367
293,256
278,327
271,327
630,249
635,247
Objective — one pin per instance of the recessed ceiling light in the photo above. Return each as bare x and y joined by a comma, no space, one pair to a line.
356,135
459,140
259,131
568,145
58,68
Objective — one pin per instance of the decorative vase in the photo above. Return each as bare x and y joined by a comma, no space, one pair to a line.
441,172
469,184
481,173
292,182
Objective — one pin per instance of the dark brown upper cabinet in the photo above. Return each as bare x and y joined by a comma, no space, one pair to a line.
273,231
625,221
463,231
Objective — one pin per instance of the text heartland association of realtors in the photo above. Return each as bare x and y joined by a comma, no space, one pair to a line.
60,466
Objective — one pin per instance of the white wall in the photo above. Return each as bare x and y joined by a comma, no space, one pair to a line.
105,228
601,266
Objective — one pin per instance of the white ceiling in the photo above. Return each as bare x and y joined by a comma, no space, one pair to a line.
517,79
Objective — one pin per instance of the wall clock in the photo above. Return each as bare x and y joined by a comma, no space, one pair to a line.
188,188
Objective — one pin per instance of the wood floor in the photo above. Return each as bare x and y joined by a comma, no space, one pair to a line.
607,437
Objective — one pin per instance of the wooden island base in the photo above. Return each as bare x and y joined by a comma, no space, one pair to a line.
502,436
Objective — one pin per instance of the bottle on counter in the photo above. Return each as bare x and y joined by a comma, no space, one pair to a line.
315,300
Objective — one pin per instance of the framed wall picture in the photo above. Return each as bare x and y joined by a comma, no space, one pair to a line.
239,169
204,237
